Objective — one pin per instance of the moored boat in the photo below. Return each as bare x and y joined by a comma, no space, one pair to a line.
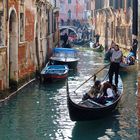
90,110
65,56
54,72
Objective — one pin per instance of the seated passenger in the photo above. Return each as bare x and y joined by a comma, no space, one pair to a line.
115,91
131,60
107,94
94,91
108,91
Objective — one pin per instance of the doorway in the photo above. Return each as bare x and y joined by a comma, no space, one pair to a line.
13,50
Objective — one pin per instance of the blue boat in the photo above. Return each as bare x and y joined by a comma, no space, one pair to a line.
54,72
65,56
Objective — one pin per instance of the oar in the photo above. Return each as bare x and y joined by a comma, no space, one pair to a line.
137,60
94,75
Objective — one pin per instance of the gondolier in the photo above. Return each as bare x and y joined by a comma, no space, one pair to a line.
115,64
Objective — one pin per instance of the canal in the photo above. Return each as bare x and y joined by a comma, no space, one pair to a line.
39,111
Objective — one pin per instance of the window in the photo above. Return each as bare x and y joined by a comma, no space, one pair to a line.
110,2
48,22
54,3
116,4
69,14
1,31
69,1
121,3
55,20
129,3
22,29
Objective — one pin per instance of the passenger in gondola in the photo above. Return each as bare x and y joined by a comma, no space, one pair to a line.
109,93
94,91
130,59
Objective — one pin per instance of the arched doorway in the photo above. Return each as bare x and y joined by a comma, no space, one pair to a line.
13,50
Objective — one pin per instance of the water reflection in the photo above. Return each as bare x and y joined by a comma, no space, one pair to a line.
103,129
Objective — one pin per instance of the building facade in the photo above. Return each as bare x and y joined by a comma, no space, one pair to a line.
73,10
114,21
119,21
28,32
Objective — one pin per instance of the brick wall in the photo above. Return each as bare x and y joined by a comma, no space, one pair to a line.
29,25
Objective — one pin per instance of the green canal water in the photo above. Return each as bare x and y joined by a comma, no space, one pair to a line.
39,111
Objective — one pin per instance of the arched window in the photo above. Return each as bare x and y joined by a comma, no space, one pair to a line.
69,14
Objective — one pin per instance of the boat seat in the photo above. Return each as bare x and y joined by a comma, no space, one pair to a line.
93,102
90,103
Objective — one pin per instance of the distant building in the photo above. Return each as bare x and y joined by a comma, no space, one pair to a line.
73,10
114,21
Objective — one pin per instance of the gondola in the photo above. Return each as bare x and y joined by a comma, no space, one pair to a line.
128,62
90,110
54,72
100,48
65,56
127,67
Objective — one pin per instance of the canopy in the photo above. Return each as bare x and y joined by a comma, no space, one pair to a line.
64,50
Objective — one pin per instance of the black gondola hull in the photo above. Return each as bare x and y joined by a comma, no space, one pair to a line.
90,110
79,113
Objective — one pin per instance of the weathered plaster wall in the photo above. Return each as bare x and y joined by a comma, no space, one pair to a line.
114,25
23,53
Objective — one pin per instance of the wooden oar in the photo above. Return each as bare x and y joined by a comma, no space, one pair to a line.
137,60
94,75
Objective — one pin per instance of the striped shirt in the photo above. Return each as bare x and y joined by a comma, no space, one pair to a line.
116,56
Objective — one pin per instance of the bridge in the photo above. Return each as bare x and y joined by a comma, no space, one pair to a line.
72,28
